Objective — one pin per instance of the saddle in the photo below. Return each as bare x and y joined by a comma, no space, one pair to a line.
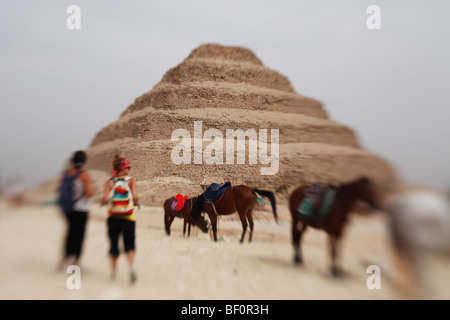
215,191
317,201
179,202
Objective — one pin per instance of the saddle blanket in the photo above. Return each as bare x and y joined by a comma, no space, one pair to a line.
215,191
317,202
179,202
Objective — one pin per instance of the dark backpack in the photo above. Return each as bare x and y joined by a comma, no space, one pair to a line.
66,198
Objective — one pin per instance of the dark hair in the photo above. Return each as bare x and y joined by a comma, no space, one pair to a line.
78,159
116,162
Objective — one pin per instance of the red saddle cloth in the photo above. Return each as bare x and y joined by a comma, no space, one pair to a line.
179,202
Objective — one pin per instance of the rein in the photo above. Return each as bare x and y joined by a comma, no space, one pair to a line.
218,219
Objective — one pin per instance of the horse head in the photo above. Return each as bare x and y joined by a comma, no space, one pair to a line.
196,216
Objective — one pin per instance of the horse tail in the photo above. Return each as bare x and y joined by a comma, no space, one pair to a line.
271,197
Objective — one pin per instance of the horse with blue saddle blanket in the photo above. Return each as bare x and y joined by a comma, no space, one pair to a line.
326,207
180,207
215,191
226,199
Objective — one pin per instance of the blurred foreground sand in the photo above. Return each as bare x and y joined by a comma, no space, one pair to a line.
174,267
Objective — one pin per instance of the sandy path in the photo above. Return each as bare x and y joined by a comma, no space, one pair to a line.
189,268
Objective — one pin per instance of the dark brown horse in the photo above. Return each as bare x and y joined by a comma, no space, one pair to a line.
361,189
185,214
239,198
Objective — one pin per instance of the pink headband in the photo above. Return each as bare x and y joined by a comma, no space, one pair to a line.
123,165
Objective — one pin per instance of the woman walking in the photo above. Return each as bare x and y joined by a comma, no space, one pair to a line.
120,193
79,183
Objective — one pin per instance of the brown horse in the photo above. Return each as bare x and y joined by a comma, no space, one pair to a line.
239,198
185,214
333,224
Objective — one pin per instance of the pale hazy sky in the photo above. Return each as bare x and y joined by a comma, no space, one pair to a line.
59,87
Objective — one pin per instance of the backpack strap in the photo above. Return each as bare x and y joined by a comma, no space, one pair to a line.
75,176
66,174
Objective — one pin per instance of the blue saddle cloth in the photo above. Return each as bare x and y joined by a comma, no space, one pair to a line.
215,191
317,202
178,205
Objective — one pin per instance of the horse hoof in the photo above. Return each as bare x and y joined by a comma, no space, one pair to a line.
298,260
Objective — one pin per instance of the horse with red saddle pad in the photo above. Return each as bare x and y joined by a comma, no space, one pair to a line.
180,207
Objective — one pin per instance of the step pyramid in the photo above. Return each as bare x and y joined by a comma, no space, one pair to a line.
229,88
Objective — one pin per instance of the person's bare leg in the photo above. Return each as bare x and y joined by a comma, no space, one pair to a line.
114,266
130,256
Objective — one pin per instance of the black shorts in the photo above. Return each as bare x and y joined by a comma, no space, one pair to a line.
116,226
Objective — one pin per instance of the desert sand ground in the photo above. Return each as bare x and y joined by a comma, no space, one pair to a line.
194,268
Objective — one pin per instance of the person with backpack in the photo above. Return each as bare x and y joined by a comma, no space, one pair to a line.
74,193
120,193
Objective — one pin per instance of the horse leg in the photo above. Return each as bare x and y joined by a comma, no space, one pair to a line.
213,218
189,229
166,223
298,228
242,216
250,217
250,221
169,223
184,226
334,246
